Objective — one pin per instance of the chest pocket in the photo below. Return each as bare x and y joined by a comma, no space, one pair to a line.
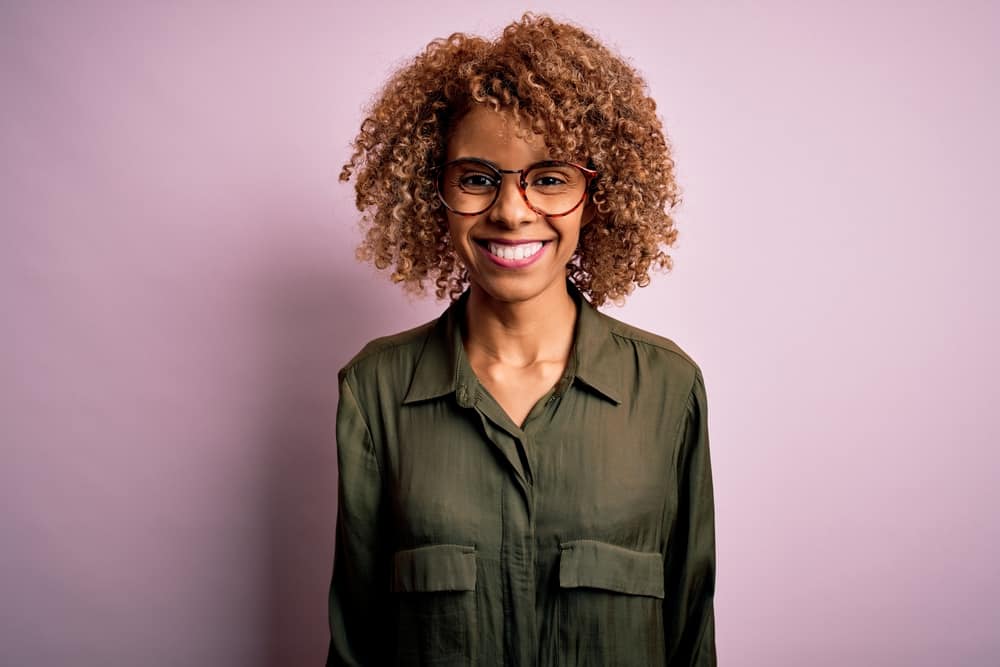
610,605
436,604
593,564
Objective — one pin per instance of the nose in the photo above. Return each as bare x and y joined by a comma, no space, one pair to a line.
510,208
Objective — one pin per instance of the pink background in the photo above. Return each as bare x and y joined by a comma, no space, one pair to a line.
178,289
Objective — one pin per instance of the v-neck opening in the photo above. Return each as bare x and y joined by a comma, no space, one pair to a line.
536,411
463,366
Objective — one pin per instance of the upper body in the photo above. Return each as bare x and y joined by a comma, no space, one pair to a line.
583,536
524,481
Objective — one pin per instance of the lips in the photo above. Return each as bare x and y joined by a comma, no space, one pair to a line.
512,254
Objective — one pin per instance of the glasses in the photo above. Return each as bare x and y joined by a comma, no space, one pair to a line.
470,186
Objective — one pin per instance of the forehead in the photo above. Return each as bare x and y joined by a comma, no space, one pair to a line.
495,136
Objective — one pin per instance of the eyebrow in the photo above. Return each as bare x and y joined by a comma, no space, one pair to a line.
476,158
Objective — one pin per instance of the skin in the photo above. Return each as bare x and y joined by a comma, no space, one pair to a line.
519,322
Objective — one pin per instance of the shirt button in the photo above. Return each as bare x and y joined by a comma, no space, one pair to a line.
463,396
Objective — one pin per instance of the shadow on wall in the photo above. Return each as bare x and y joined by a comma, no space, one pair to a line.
320,319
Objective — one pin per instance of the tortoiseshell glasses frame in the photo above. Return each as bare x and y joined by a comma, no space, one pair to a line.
488,169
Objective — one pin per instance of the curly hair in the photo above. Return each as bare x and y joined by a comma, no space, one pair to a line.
588,104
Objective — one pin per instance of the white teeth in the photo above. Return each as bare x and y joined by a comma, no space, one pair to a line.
515,252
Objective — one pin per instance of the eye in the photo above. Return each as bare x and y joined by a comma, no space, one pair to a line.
548,180
553,179
476,181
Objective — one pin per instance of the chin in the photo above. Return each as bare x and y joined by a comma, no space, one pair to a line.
514,289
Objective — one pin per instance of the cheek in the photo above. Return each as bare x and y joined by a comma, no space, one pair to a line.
570,231
458,234
454,229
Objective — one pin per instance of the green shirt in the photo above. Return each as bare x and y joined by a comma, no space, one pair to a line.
584,538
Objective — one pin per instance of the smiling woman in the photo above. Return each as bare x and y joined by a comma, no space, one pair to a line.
524,480
585,104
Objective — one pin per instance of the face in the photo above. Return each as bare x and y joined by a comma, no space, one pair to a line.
512,253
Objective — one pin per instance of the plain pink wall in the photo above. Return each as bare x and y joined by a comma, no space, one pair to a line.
178,289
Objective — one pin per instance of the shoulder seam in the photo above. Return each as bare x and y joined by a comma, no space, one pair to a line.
675,350
387,343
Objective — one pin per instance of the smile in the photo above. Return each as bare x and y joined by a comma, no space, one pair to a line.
512,255
519,251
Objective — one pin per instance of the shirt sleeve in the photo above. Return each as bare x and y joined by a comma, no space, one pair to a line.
689,573
358,587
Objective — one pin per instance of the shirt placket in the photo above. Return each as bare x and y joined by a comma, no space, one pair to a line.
517,546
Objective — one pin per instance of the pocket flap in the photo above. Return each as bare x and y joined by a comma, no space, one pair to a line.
437,567
593,564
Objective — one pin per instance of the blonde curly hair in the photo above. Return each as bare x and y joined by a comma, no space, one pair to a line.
588,104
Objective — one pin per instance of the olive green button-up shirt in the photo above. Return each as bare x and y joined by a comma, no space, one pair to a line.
585,537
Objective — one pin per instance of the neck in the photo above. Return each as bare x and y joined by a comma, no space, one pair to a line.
522,333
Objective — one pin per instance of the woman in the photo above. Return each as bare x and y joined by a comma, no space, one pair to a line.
524,481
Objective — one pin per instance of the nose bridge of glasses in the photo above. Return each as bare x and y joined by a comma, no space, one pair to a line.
518,184
521,175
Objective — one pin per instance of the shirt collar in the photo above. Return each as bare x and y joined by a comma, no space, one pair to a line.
594,359
442,367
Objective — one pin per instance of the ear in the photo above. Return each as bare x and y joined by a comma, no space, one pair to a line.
589,212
